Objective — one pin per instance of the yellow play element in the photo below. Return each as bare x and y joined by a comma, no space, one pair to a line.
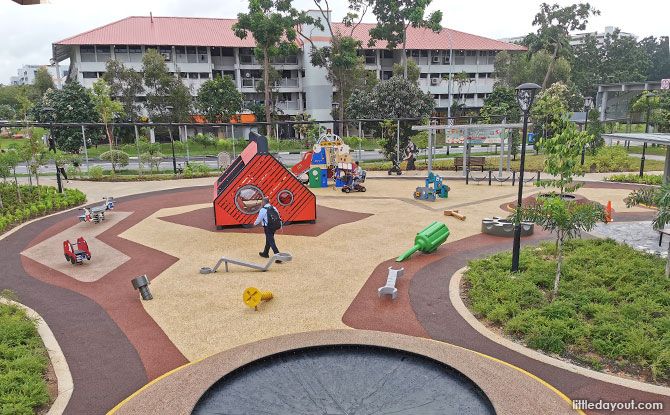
252,297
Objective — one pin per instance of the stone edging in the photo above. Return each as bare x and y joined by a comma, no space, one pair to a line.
457,302
60,366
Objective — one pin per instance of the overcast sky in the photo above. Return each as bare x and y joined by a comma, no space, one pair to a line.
27,32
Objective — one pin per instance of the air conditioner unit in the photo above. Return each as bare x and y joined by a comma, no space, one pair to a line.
166,56
434,81
436,59
445,60
247,74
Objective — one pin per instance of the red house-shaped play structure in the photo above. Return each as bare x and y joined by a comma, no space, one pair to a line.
252,175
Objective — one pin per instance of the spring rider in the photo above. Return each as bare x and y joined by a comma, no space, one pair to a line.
428,240
429,193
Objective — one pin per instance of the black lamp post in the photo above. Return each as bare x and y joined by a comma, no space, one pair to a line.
646,130
525,94
588,101
52,145
169,109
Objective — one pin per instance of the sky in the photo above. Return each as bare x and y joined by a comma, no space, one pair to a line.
27,32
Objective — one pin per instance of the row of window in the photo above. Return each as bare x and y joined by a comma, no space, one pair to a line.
471,75
458,96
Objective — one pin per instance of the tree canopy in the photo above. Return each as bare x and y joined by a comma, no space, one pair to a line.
218,99
43,81
168,99
395,16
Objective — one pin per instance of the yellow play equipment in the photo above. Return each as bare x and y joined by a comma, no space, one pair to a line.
252,297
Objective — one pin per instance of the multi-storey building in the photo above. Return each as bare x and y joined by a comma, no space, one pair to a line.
197,49
26,74
579,38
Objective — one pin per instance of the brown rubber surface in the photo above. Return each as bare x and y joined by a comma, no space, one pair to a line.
327,218
423,297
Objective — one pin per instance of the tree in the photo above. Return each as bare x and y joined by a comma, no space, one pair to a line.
116,157
462,79
658,51
125,84
107,108
272,23
7,112
74,104
595,129
413,70
34,153
43,81
514,69
622,59
554,26
501,103
568,219
563,151
165,90
548,111
395,98
218,99
655,197
394,17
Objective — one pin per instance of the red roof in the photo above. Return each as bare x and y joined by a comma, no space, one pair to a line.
418,38
200,31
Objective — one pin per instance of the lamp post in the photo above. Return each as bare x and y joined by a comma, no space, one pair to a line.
169,109
49,112
588,101
646,130
525,94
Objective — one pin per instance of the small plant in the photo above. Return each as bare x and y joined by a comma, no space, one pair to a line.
116,157
652,179
95,172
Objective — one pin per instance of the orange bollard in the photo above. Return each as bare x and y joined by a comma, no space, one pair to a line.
608,212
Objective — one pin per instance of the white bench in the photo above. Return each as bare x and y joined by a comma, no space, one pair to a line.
390,288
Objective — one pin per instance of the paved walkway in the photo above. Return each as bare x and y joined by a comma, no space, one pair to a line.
637,234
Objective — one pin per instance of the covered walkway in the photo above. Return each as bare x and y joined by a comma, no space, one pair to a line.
662,139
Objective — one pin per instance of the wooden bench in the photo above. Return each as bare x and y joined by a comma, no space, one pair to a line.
472,162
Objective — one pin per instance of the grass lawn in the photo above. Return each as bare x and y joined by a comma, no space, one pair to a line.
612,311
23,363
657,151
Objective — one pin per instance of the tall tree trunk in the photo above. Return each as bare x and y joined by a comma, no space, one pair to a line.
404,53
559,262
37,176
266,85
18,189
110,137
550,69
2,206
341,109
30,174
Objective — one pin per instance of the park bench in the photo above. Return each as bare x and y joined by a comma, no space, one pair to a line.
390,288
472,162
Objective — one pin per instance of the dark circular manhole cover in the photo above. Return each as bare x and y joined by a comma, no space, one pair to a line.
343,380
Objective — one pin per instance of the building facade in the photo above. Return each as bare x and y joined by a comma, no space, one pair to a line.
25,75
198,49
579,38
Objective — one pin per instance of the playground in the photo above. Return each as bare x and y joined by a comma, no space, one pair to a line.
324,294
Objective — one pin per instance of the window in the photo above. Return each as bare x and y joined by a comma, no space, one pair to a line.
121,53
423,75
388,54
87,53
386,75
472,75
90,75
471,53
227,52
183,75
180,52
204,75
103,53
135,53
192,75
469,96
424,53
435,75
202,55
229,73
215,52
191,54
248,199
459,57
166,53
285,197
370,57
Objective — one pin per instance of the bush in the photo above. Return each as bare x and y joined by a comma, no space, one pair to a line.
196,170
614,159
95,172
116,157
23,360
610,314
654,179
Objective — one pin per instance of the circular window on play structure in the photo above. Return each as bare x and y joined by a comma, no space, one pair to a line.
285,197
249,199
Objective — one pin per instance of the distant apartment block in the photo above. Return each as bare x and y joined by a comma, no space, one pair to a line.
198,49
25,75
579,38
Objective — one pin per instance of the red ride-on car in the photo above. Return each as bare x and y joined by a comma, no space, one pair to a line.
77,252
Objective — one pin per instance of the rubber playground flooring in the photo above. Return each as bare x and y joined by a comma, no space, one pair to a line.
329,285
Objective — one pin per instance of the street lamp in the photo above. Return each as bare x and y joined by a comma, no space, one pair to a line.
52,145
525,94
588,102
169,109
646,130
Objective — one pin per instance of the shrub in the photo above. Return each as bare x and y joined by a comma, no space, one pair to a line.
654,179
95,172
614,159
116,157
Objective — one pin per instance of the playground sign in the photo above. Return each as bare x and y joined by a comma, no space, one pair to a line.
474,135
665,83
